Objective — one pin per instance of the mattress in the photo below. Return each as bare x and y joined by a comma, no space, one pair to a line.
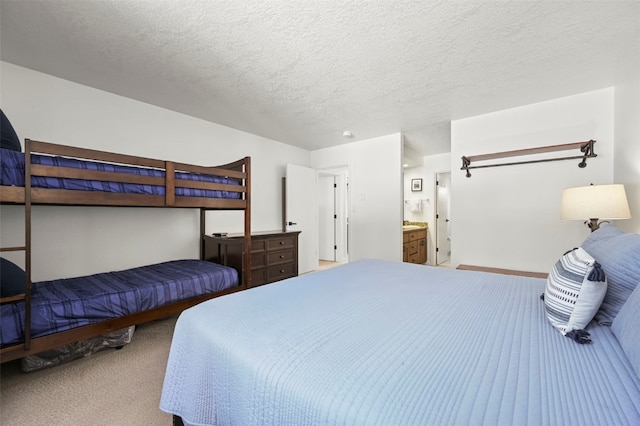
62,304
389,343
12,174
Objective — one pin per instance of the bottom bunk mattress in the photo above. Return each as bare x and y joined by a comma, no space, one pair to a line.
63,304
390,343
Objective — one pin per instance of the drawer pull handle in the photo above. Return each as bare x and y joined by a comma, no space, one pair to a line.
282,256
281,243
282,271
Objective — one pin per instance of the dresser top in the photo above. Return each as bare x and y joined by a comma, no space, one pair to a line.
258,234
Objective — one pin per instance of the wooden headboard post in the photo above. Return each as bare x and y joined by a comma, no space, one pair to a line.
247,224
27,243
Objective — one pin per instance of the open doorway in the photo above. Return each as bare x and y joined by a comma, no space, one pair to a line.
443,222
333,217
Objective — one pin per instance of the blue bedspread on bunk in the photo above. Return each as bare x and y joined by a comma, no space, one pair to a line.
12,174
63,304
390,343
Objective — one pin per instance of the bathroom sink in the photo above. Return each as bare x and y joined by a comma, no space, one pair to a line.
410,227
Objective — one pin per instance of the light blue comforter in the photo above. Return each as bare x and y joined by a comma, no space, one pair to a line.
388,343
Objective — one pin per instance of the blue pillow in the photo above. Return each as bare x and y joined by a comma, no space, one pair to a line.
604,233
8,137
626,327
11,279
619,255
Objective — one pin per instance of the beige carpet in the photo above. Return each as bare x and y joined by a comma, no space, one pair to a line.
110,387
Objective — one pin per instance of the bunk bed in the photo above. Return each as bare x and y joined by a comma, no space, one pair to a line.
53,174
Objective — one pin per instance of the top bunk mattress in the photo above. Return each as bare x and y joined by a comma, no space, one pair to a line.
12,174
389,343
63,304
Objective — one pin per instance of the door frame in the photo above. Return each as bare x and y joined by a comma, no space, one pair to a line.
343,210
332,223
436,240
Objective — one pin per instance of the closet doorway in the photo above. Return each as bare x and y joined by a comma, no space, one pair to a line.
443,223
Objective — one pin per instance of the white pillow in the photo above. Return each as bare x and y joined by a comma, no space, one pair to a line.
575,290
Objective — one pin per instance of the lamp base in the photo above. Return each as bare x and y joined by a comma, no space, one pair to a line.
592,224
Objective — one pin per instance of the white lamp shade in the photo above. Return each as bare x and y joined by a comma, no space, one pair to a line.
595,202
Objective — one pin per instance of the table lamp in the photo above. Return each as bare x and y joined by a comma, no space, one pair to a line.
595,202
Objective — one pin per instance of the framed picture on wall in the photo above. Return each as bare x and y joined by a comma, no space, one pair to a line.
416,185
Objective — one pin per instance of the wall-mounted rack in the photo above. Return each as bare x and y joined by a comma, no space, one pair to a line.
586,147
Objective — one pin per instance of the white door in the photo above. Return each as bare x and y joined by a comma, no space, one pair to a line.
443,224
327,217
302,213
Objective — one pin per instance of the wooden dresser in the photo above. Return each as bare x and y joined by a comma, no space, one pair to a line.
274,255
414,245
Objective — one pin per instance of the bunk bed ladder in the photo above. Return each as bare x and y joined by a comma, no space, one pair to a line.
26,248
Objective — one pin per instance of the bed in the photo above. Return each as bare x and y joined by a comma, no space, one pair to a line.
46,315
13,174
390,343
76,176
64,304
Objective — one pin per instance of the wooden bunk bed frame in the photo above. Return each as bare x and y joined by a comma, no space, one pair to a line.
29,196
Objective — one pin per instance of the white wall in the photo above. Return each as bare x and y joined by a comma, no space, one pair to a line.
627,148
71,241
411,197
375,194
509,216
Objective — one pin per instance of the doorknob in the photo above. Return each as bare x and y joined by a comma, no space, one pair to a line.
291,223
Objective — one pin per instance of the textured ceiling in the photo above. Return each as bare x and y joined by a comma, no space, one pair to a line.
301,72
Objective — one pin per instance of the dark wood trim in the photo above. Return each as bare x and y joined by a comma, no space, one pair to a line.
170,188
217,170
20,248
246,280
502,271
91,154
12,194
10,299
27,242
284,204
73,173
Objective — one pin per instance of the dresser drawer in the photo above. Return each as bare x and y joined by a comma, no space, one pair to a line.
281,243
258,259
281,256
258,245
258,276
280,272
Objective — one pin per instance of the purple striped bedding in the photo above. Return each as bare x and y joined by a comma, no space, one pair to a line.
63,304
12,174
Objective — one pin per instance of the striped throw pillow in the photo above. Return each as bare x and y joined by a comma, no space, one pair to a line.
574,292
